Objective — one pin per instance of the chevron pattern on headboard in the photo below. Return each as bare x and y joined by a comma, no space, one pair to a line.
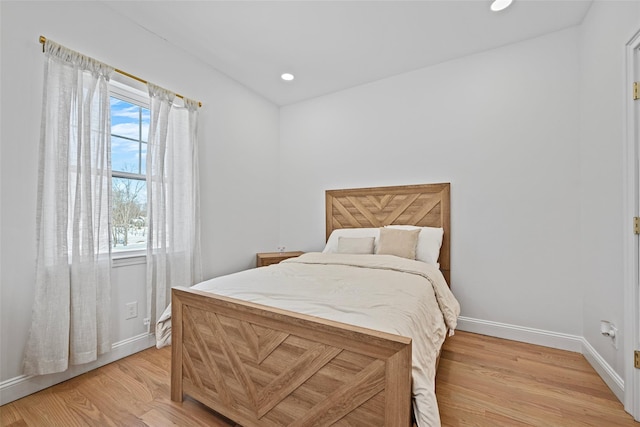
426,205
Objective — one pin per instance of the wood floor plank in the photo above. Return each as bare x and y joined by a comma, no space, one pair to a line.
188,413
488,381
10,416
69,394
482,382
114,399
44,409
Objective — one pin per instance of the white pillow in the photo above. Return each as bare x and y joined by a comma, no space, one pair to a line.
355,245
429,243
332,244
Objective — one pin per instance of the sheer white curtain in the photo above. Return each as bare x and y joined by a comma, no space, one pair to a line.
71,310
173,211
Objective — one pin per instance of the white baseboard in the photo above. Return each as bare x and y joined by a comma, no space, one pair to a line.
23,385
551,339
521,333
606,372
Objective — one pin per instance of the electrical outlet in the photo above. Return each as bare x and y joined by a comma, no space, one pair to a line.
146,322
131,310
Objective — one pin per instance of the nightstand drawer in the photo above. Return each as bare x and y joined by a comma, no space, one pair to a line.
267,258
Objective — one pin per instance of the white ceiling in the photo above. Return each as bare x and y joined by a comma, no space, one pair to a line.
334,45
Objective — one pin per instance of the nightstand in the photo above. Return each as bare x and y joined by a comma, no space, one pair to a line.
268,258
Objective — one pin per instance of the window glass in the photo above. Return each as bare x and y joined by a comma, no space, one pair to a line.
126,155
129,134
129,214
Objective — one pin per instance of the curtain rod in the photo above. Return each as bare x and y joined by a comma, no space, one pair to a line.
43,39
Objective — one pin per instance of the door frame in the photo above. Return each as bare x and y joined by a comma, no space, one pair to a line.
631,196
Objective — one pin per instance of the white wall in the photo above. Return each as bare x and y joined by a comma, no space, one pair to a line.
502,127
238,155
603,35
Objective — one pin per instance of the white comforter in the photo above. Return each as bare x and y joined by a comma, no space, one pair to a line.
381,292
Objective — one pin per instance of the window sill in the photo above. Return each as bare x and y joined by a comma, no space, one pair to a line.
123,259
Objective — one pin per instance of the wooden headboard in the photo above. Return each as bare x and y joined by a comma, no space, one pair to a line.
426,205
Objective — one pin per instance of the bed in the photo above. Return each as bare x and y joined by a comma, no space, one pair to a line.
318,339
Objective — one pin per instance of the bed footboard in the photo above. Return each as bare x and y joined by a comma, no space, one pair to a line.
262,366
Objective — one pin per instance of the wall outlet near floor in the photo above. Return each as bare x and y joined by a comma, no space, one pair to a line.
614,338
608,329
131,310
146,322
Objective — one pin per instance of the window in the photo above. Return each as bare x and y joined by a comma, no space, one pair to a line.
129,136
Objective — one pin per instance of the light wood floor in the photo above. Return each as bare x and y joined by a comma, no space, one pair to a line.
485,381
482,381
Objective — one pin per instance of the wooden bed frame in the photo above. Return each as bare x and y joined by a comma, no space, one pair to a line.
263,366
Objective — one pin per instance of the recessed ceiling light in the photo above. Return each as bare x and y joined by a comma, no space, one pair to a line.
499,5
287,77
